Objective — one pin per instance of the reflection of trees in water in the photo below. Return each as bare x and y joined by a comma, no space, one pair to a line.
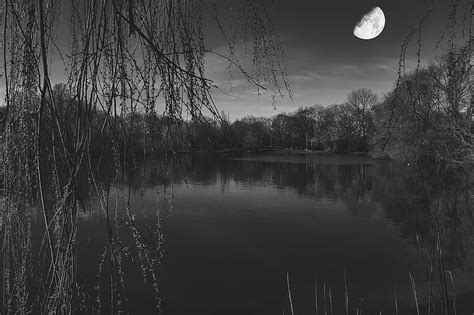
431,204
413,199
451,210
362,208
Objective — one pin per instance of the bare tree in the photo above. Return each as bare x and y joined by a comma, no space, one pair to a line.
431,111
306,120
458,38
363,102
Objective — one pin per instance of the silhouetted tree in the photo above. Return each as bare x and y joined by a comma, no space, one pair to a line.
363,102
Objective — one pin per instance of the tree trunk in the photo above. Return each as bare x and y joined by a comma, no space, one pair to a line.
306,144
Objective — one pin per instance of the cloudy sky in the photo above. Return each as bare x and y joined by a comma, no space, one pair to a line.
324,59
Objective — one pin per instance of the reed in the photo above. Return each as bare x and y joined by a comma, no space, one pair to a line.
413,286
433,300
316,295
289,293
324,299
330,301
395,298
454,296
346,293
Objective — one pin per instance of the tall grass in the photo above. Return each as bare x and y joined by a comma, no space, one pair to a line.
439,298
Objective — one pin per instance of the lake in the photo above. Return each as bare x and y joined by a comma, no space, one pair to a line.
233,227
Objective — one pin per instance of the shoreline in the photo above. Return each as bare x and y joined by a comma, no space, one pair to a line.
288,152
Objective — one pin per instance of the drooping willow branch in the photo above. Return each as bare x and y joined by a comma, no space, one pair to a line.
125,58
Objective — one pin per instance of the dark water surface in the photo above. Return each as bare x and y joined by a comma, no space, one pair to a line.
236,225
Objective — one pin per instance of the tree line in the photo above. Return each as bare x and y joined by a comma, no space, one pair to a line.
427,116
344,128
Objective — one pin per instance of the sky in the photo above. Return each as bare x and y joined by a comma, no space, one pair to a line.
325,61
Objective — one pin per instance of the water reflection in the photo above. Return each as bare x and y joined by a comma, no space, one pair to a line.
258,198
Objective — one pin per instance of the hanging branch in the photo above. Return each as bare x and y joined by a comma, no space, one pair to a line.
126,57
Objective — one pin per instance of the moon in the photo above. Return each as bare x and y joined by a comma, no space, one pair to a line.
371,24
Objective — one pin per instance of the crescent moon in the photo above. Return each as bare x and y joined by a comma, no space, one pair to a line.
371,24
